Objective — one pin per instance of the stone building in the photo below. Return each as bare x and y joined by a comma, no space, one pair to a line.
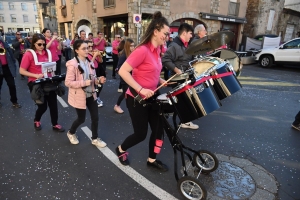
116,16
279,17
47,14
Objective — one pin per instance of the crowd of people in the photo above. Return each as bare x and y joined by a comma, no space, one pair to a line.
86,75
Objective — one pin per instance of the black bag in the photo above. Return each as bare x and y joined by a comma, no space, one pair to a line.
60,91
49,86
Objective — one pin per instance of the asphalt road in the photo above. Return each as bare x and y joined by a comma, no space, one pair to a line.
254,123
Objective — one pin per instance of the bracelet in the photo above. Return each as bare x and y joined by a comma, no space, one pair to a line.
140,90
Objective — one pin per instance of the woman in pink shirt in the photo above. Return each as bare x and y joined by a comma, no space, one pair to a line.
32,71
145,64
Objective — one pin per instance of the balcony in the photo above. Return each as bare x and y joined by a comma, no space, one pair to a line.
64,11
233,9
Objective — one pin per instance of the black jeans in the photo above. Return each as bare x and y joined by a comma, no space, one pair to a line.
122,96
115,63
50,100
140,116
58,66
10,81
297,118
93,108
67,52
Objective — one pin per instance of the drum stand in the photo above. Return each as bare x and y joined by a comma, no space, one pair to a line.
189,186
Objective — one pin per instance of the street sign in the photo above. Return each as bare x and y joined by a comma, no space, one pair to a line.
137,18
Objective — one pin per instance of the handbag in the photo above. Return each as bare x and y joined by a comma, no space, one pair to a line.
49,86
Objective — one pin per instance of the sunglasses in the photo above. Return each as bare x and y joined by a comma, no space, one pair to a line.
90,46
18,34
40,44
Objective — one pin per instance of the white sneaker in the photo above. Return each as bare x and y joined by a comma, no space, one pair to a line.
189,125
73,138
99,102
120,90
98,143
118,109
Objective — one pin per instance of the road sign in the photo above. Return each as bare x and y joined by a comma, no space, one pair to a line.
137,18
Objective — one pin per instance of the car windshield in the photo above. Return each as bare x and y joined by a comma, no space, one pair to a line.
24,34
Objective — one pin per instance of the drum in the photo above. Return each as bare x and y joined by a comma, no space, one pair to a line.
165,103
193,102
57,78
231,57
225,82
206,65
181,78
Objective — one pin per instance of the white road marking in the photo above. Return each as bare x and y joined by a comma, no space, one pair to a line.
62,102
156,191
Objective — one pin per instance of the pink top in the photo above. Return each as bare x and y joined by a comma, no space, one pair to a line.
146,63
28,63
115,44
22,47
53,49
3,57
101,45
90,56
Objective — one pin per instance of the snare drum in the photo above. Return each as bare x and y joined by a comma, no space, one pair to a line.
165,103
193,102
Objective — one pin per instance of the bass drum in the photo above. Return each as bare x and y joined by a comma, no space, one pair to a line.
230,56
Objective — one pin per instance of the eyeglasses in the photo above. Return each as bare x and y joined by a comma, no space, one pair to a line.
18,34
90,46
40,44
166,34
85,49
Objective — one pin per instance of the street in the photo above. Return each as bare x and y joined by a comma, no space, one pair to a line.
254,123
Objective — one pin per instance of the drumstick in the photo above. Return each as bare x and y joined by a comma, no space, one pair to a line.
163,84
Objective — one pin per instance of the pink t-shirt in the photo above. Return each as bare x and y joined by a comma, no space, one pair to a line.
3,57
146,64
22,47
90,56
53,49
115,44
29,64
101,45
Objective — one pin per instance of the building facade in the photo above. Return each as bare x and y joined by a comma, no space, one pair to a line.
18,15
116,16
278,17
47,14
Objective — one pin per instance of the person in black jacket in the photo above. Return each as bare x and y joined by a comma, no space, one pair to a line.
176,60
19,46
296,123
128,48
8,72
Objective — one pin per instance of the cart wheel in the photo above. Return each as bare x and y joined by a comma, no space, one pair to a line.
211,161
191,188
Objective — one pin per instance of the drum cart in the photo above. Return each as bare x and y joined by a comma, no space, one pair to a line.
190,187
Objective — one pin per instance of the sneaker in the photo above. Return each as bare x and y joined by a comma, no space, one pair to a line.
37,125
120,90
16,105
296,126
58,128
118,109
189,125
98,143
73,138
99,102
157,165
122,157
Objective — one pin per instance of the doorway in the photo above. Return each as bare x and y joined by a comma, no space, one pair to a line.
233,27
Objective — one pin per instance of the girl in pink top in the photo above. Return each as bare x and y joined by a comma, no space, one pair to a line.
145,64
53,45
32,71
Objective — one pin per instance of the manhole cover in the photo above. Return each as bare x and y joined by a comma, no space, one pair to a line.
229,182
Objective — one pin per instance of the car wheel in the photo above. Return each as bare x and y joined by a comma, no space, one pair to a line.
265,61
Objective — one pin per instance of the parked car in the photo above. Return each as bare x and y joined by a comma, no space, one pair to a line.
287,53
108,50
260,37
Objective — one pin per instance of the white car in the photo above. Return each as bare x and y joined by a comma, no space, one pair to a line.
287,53
108,50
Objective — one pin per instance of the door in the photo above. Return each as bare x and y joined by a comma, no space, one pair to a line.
290,52
233,27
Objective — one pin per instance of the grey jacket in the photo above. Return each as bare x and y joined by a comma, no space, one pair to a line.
175,56
16,46
11,62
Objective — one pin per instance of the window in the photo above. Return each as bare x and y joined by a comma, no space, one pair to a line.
13,18
24,6
63,2
1,6
34,7
75,1
11,6
53,11
25,18
234,8
109,3
36,19
2,18
295,44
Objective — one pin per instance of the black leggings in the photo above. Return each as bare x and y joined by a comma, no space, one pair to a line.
58,66
50,100
140,117
93,108
122,96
